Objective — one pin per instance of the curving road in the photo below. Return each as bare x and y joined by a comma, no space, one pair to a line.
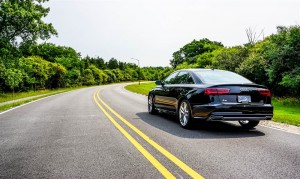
106,132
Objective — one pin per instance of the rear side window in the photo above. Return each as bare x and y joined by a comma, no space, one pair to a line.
190,80
171,79
184,78
221,77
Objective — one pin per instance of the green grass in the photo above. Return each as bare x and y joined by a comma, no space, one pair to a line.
8,96
12,105
286,110
144,88
18,95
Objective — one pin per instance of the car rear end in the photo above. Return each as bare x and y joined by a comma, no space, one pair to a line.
236,101
232,102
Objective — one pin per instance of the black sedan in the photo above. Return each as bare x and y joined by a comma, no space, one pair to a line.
211,95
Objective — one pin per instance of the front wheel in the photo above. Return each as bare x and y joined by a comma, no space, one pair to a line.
248,124
151,107
184,114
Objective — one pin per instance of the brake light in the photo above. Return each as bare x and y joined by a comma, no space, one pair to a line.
264,92
216,91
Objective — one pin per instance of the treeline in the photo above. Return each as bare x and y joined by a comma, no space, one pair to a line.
27,65
47,66
273,61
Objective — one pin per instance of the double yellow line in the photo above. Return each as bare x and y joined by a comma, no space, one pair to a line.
165,172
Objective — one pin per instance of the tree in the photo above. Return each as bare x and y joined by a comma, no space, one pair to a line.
49,51
190,51
97,73
254,68
252,35
37,71
113,64
111,76
22,19
73,78
205,60
56,76
88,77
98,62
229,58
69,62
13,77
282,53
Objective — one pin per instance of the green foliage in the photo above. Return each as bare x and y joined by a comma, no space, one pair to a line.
205,60
292,80
254,68
56,76
274,62
73,78
39,73
282,54
23,20
50,52
166,72
68,62
13,77
185,65
113,64
98,74
111,76
190,51
229,58
88,77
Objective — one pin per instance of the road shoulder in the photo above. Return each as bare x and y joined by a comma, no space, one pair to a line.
281,126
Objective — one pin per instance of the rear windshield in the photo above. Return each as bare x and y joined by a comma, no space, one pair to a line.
221,77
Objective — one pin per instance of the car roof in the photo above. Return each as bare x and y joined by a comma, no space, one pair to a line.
199,69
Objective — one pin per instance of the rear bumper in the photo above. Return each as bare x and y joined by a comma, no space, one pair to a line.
232,112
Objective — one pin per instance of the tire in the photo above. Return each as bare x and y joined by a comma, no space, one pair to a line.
248,124
151,106
184,114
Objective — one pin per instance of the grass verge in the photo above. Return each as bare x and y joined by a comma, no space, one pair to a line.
286,110
4,97
144,88
45,93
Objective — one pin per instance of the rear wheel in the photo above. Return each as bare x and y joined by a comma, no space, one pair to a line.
184,114
151,107
248,124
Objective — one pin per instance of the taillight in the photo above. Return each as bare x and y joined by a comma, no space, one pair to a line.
216,91
264,92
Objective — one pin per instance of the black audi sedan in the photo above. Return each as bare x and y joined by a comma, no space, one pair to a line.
211,95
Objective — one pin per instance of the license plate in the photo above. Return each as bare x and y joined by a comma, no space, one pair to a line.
244,99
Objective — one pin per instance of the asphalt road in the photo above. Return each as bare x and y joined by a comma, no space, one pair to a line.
69,136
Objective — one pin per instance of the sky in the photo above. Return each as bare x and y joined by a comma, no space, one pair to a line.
151,30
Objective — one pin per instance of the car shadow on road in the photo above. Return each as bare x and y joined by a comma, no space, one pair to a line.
205,130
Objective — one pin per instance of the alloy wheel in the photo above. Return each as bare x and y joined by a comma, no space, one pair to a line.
184,114
150,103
